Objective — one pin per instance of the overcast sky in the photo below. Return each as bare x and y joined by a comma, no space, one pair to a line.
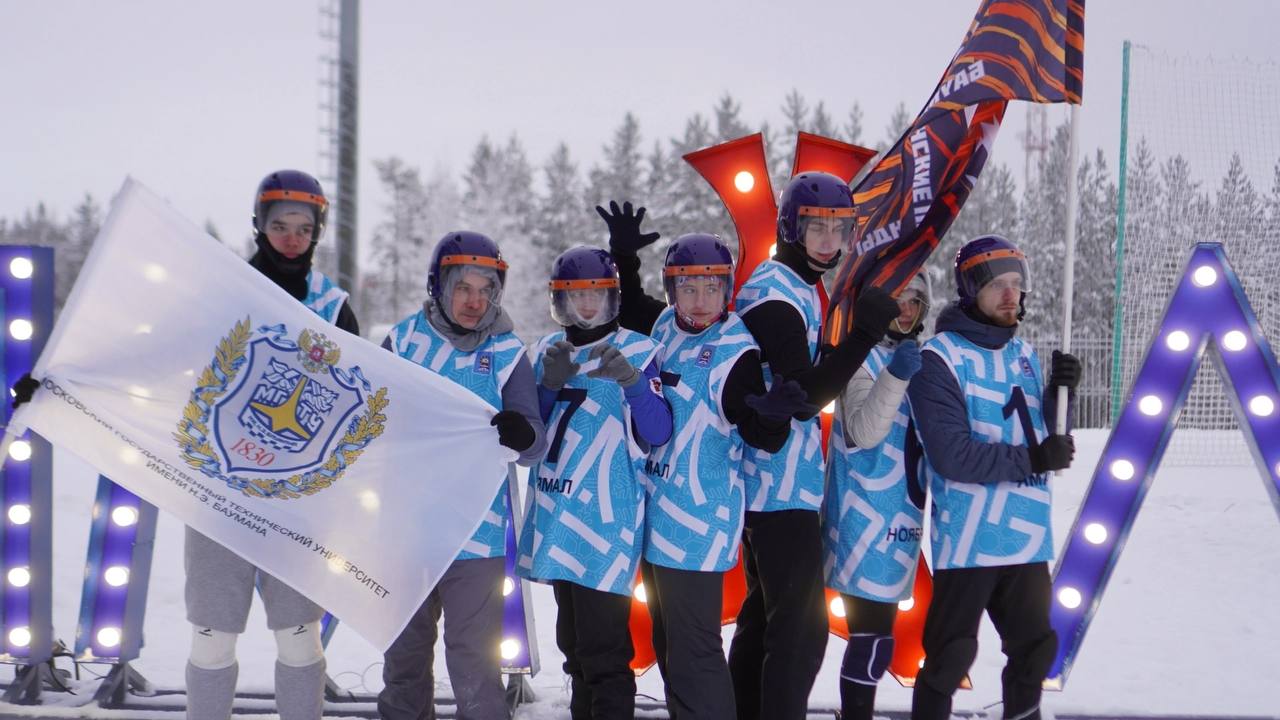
199,100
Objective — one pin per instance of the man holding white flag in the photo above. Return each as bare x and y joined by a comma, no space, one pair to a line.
198,384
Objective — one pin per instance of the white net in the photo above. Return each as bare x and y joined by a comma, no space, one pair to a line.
1203,164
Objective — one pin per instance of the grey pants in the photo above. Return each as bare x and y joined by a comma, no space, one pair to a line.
469,595
219,590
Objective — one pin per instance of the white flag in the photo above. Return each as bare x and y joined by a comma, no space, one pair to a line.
188,377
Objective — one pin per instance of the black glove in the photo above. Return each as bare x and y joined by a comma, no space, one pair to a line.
557,367
614,366
624,228
514,430
784,400
1055,453
1064,370
24,389
873,312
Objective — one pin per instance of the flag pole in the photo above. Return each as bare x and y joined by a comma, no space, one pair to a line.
1069,261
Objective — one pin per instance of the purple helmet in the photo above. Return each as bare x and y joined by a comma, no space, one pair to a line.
694,257
985,258
461,248
584,288
291,186
810,195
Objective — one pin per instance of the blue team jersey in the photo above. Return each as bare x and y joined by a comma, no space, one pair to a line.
693,514
1002,523
584,508
323,296
484,371
873,506
792,477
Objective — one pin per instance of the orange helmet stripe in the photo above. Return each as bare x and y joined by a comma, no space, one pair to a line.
589,284
296,196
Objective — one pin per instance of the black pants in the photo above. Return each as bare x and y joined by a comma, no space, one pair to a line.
593,632
863,617
685,608
781,636
1016,597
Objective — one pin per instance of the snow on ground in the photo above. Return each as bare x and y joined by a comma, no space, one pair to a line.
1187,625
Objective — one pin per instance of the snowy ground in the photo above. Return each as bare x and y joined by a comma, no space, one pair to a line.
1183,629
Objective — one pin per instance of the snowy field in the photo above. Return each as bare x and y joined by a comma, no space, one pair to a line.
1183,629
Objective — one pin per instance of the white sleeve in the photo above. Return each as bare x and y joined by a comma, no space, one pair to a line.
869,406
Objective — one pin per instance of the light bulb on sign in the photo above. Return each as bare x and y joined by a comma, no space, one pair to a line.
744,181
109,637
510,649
1095,533
640,593
116,575
21,268
1150,405
1178,341
837,607
508,586
1070,598
124,516
1235,341
1204,276
1122,470
20,637
20,514
20,450
906,605
19,577
21,329
1262,406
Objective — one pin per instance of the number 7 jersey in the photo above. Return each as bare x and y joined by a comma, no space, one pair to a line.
584,507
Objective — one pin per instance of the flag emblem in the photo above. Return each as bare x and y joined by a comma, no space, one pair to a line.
279,418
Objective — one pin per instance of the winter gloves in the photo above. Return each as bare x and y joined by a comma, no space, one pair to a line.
624,229
1064,370
557,367
873,312
514,430
613,366
785,399
24,389
906,360
1055,453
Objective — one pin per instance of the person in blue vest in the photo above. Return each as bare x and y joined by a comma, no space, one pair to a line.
710,367
983,414
601,397
289,213
781,635
873,504
462,333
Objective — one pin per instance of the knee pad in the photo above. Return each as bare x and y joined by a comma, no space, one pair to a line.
299,646
945,669
866,658
1034,662
212,649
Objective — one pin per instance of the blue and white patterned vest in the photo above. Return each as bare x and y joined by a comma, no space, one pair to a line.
484,371
584,509
792,477
979,524
873,506
323,296
693,514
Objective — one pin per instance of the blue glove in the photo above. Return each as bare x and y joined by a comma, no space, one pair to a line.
785,399
906,360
